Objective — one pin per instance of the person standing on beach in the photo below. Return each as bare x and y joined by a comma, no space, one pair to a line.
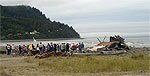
51,47
40,47
67,47
58,47
8,49
73,47
80,47
37,48
20,51
110,39
55,49
48,47
43,48
63,47
30,48
13,51
25,51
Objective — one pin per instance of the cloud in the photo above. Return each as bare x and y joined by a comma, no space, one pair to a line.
14,2
88,13
59,9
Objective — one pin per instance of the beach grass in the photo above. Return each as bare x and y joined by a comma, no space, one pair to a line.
131,62
94,65
2,48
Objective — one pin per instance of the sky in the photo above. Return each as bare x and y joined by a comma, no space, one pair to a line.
96,17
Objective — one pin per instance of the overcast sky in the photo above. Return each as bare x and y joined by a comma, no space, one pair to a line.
121,16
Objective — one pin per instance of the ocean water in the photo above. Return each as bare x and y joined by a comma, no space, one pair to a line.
134,41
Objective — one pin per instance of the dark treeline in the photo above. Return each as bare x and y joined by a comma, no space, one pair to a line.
25,22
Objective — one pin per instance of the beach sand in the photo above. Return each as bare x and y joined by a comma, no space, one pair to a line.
133,63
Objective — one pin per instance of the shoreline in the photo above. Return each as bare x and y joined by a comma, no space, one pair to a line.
52,39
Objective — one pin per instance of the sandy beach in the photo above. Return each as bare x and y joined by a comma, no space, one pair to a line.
133,63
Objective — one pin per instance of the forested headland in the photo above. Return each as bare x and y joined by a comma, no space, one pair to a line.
25,22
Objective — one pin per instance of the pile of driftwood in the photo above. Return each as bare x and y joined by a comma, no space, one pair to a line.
116,45
48,54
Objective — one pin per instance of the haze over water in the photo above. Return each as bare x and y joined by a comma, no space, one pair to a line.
115,28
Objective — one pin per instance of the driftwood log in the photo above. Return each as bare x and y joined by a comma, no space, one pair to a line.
48,54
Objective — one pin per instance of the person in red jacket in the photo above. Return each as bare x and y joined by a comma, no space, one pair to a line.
73,46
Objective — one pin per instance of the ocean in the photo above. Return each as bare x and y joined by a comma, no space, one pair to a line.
133,41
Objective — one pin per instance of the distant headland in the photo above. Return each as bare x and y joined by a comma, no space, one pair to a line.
25,22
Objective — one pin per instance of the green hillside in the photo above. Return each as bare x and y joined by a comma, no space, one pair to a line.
25,22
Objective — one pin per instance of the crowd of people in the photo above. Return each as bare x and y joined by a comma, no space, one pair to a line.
31,49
